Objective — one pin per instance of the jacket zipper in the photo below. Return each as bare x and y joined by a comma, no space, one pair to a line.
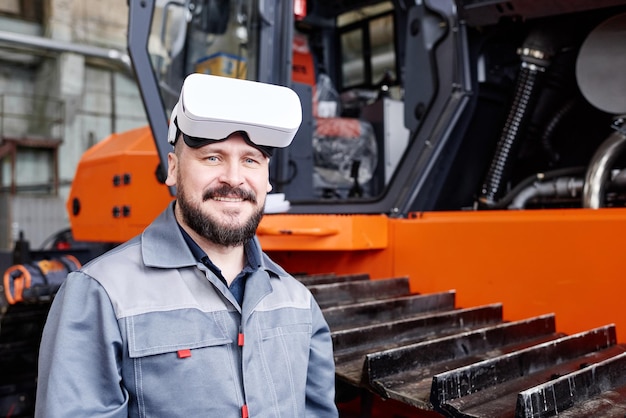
240,342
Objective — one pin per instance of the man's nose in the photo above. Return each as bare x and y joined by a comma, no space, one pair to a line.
232,174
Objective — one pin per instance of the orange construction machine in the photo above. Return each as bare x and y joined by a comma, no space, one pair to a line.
455,197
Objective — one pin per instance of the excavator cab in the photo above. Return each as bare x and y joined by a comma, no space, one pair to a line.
340,59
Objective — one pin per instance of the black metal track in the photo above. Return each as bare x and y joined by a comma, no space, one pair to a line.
424,351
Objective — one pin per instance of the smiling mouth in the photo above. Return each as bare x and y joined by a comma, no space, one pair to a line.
229,195
227,199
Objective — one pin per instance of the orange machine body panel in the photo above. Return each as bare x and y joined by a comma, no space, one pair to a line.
115,193
568,262
534,262
320,232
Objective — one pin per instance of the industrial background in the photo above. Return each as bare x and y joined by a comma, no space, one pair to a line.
456,192
57,98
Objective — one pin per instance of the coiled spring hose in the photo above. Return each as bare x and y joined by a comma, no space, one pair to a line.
533,65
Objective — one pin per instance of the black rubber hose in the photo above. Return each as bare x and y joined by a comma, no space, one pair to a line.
551,126
538,177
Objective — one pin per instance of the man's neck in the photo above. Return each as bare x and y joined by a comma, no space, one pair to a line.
230,260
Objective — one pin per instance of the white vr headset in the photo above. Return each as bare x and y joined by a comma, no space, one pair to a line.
211,108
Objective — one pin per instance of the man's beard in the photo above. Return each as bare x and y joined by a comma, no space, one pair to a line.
211,229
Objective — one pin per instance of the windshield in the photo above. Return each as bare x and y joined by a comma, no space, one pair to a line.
211,37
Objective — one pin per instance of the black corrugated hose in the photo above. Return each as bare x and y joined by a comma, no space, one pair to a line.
535,57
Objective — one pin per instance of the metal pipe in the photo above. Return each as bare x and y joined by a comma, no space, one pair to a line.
599,169
561,187
120,58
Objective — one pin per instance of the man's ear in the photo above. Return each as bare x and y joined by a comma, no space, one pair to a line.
172,161
269,184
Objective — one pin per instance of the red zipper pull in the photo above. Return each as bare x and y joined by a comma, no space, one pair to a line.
244,412
240,337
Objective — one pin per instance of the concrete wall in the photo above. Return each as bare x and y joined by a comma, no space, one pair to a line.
97,101
36,216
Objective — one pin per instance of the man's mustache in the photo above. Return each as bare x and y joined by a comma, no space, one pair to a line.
228,191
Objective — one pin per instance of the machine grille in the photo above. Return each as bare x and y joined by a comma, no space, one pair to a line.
423,351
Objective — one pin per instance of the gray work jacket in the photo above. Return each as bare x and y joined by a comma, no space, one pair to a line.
148,331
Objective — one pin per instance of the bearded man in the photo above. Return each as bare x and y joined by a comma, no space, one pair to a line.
191,318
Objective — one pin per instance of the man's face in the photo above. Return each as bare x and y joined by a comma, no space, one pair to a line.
221,188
